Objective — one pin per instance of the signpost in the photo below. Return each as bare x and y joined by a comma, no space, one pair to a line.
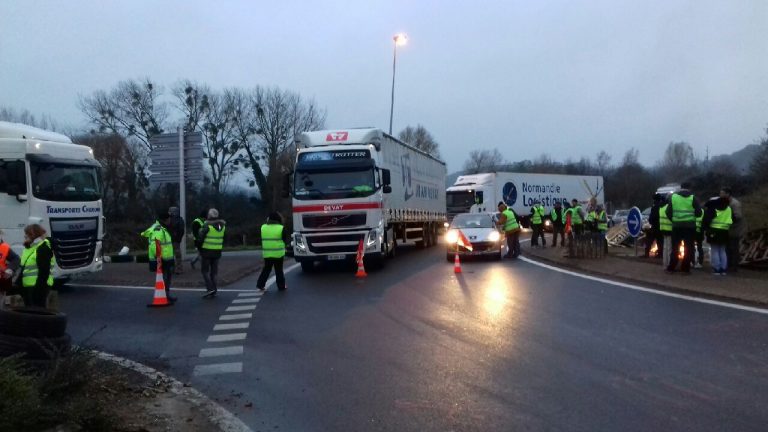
635,224
177,158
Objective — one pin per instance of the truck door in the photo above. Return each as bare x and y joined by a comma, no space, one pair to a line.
14,206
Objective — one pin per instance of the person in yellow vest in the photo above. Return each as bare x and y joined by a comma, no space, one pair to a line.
9,263
601,224
577,218
273,238
683,210
159,231
508,222
665,229
210,242
537,223
197,223
558,224
717,221
37,263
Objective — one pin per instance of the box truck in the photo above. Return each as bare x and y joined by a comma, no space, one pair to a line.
350,185
47,180
482,192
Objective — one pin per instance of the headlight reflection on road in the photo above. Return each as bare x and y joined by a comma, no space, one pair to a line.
496,299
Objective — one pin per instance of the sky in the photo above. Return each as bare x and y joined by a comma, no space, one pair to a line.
566,78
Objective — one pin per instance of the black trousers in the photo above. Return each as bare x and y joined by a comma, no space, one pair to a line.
687,236
277,263
168,270
210,269
538,231
558,229
513,244
35,296
732,252
652,236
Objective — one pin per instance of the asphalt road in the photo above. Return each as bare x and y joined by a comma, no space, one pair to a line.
503,346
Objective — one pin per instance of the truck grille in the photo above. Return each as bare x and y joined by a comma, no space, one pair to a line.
332,221
330,243
74,241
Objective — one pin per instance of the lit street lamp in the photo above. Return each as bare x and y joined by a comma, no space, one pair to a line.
400,39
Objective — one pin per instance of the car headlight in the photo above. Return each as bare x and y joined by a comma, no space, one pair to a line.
547,222
452,236
494,236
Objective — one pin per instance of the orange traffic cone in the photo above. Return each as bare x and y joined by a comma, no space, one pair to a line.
360,267
159,300
456,264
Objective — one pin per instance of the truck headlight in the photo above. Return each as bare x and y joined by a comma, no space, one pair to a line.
452,236
298,241
371,240
494,236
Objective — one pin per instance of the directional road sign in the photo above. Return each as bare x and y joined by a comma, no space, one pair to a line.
635,222
164,158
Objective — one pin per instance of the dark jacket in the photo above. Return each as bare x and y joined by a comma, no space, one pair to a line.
560,219
714,236
685,193
176,228
196,226
653,218
208,253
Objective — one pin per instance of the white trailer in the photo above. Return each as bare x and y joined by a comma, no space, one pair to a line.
355,184
482,192
47,180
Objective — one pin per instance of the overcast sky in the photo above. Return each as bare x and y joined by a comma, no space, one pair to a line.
569,78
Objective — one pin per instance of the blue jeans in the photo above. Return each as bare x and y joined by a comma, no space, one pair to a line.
719,259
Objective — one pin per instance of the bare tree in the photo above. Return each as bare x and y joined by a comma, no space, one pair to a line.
678,161
24,116
420,138
132,109
759,165
603,162
631,157
481,161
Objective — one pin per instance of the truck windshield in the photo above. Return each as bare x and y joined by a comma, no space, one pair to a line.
312,185
60,182
463,199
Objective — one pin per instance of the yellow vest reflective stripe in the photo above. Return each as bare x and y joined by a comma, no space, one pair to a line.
602,222
214,240
682,209
158,232
511,222
723,219
576,215
29,265
538,213
665,225
272,244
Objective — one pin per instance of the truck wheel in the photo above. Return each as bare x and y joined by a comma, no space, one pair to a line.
32,322
308,266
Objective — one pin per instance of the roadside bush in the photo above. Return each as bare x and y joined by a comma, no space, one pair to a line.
19,397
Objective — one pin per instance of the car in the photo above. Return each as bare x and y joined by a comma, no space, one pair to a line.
619,217
481,231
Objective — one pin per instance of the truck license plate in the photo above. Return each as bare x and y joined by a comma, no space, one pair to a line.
336,257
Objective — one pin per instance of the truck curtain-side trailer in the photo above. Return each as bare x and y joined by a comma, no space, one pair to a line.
482,192
47,180
362,184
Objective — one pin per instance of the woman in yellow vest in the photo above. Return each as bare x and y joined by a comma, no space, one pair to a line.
158,232
273,251
717,221
37,263
210,242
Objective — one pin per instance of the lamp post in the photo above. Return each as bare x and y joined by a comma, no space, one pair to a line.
399,39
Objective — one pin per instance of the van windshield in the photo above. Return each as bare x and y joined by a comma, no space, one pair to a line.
64,182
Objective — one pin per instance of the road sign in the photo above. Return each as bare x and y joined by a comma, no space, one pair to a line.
165,158
635,222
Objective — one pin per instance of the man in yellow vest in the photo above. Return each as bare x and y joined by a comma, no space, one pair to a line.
601,224
508,222
537,223
273,250
158,232
210,242
558,224
197,223
683,209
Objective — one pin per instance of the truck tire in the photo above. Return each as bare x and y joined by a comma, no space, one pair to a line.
32,322
35,348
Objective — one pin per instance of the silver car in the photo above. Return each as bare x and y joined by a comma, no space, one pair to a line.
480,230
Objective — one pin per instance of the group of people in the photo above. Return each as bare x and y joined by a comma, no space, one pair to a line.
680,219
208,229
31,274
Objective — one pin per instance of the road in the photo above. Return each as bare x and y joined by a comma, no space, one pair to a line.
414,347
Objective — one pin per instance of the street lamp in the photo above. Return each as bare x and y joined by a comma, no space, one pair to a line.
399,39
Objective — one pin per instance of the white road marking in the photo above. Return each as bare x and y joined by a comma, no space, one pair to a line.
226,337
250,294
232,326
235,317
223,351
246,300
218,368
648,290
136,287
240,308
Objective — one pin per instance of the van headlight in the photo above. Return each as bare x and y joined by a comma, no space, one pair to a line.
452,236
494,236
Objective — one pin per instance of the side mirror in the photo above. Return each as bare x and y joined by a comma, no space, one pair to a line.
287,185
387,189
15,190
386,179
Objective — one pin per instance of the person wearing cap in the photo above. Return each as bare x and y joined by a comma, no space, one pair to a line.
177,229
9,263
273,251
508,223
158,233
537,223
210,242
557,215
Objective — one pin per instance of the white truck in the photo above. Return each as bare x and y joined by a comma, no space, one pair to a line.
47,180
362,184
482,192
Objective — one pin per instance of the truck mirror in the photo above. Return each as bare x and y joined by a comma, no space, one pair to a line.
386,179
479,197
287,185
387,189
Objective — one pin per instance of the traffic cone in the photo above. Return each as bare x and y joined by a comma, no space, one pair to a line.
456,264
159,300
360,267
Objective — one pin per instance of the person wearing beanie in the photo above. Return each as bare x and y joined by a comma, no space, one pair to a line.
273,251
210,242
